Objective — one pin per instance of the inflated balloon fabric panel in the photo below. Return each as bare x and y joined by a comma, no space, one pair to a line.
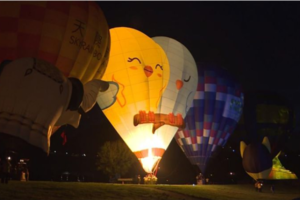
257,161
33,95
216,109
280,172
140,67
179,94
73,36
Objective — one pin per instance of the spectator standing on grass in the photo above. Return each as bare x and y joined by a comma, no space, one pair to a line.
5,171
139,179
23,175
259,186
27,174
256,186
0,168
272,188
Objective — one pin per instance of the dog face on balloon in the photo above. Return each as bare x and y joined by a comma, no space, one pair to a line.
36,99
33,95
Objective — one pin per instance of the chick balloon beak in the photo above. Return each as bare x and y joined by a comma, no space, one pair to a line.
179,84
148,71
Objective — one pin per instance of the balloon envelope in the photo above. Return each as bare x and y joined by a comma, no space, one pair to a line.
182,86
73,36
257,159
31,103
148,109
141,69
178,96
268,114
216,109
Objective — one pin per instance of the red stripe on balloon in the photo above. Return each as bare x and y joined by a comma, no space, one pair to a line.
8,24
222,88
32,12
186,133
28,44
50,57
63,7
81,4
200,87
207,125
8,53
144,153
213,133
199,132
210,80
194,140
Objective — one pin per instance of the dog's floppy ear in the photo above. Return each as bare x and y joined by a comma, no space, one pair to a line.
3,64
242,148
77,94
267,143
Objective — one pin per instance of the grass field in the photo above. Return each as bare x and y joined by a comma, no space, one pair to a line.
38,190
230,192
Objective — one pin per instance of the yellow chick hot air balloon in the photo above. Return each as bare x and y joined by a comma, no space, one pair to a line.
140,68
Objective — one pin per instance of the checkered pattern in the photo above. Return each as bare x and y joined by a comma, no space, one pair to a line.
208,122
47,30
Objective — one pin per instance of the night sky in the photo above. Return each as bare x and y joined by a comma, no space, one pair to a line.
257,41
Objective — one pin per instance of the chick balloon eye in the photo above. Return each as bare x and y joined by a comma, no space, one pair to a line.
158,65
187,80
132,59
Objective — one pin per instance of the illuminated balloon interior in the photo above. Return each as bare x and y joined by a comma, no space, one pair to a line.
140,68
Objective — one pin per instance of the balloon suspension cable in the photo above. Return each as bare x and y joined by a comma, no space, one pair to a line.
155,172
156,168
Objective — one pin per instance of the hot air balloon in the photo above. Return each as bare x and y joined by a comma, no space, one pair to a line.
73,37
30,105
257,159
268,114
279,171
141,68
179,94
216,109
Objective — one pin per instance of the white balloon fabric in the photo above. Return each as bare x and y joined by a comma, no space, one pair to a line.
178,96
92,91
33,95
95,88
182,86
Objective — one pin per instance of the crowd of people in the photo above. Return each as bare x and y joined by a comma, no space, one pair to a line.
259,186
8,172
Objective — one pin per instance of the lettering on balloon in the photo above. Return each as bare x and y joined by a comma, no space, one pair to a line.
236,105
98,39
78,40
80,26
233,107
